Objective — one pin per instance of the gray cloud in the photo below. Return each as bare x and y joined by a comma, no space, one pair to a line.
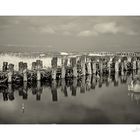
103,28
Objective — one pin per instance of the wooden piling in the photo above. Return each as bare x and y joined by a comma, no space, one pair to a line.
101,66
25,72
39,66
10,72
20,65
63,69
134,64
138,64
109,63
83,65
125,65
122,67
54,67
89,72
74,66
94,67
33,66
117,66
5,66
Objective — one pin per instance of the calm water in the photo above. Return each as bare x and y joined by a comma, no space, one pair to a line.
89,100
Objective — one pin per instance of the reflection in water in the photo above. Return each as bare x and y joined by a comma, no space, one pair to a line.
134,87
54,90
85,83
82,87
72,101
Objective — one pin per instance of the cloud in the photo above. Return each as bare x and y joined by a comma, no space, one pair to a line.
106,28
87,33
75,26
47,29
110,27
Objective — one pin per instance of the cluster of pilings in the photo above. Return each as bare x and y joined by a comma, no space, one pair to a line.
78,66
69,87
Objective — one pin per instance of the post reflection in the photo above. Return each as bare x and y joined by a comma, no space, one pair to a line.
83,85
64,88
54,90
74,87
134,86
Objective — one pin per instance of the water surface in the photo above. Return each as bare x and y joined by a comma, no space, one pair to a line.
104,100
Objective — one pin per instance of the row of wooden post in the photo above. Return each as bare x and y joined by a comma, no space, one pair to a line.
88,66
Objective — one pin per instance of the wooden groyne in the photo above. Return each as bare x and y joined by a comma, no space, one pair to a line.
78,66
69,87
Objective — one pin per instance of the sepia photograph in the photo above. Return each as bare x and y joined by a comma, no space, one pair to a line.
69,70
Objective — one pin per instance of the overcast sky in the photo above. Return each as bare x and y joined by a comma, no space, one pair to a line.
75,33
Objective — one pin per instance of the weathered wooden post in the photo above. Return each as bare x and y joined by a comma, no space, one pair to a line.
39,66
89,72
109,63
25,72
10,73
74,66
83,65
129,63
138,64
63,70
122,67
5,66
54,67
101,66
125,65
117,66
33,66
93,65
134,64
20,66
